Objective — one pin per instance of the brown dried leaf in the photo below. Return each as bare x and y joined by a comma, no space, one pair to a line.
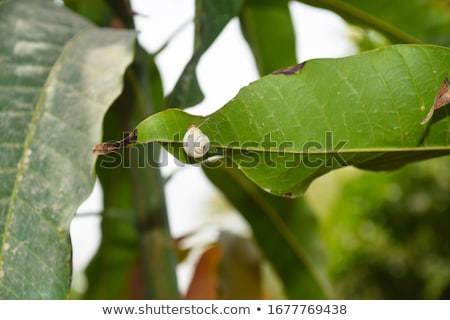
204,281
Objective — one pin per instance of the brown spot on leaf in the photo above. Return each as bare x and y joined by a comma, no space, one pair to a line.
108,147
287,195
441,100
291,70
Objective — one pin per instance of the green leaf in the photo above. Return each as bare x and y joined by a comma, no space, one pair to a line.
111,271
96,11
288,128
285,230
211,18
136,244
59,75
413,21
268,29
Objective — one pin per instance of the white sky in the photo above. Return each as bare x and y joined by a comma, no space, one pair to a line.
189,194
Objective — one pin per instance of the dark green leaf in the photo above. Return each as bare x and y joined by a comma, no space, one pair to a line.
97,11
267,27
111,271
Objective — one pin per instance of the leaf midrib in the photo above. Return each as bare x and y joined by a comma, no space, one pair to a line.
318,152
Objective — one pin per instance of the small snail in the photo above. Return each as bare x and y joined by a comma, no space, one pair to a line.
195,143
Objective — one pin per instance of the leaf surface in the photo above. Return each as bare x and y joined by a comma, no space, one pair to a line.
288,128
59,75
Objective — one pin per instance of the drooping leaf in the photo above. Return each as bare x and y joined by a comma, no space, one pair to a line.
268,29
211,18
59,75
285,230
290,127
414,21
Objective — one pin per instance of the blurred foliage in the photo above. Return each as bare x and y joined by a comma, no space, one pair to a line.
387,234
228,269
367,39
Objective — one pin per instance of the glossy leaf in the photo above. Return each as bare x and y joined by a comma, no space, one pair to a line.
59,75
414,21
268,29
288,128
211,18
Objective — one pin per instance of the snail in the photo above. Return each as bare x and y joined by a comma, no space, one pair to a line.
195,143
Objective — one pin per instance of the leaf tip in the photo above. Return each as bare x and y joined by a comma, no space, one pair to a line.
108,147
104,148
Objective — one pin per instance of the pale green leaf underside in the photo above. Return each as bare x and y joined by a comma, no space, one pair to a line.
363,110
59,75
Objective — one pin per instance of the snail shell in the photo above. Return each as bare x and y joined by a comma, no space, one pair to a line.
195,143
